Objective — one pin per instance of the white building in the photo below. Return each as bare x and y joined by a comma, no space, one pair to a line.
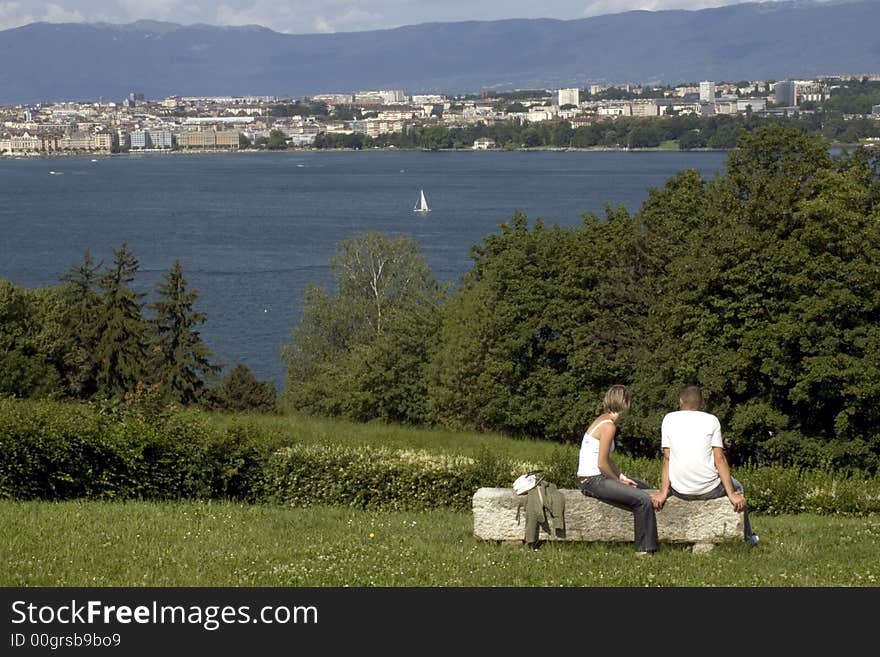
614,110
381,97
757,104
335,99
483,144
428,99
140,139
707,92
644,108
569,97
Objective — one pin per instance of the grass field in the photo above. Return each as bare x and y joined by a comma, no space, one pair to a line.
190,544
291,428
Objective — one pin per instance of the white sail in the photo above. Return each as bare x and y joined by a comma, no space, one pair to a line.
423,203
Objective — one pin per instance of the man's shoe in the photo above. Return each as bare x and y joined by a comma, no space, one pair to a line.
752,540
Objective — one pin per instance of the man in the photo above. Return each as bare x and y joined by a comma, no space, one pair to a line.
694,464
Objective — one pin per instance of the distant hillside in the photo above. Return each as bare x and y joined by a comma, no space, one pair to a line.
45,62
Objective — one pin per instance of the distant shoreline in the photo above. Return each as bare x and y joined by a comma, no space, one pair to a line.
299,151
295,151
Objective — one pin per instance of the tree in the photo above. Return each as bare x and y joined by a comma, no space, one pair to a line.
277,140
359,351
770,303
28,345
537,329
435,137
81,304
121,351
240,391
184,360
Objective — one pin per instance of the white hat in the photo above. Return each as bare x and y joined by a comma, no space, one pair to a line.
525,483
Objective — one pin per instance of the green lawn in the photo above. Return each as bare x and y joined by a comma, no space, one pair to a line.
221,544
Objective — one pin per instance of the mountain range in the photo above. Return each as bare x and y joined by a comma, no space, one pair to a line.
43,62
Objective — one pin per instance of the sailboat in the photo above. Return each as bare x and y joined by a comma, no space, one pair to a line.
422,205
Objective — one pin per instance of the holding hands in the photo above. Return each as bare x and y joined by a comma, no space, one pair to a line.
658,500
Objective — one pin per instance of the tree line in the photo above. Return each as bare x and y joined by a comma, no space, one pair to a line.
89,338
762,285
688,130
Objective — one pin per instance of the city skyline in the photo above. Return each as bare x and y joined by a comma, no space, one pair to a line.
327,16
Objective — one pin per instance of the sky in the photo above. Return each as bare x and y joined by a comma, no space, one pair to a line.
322,16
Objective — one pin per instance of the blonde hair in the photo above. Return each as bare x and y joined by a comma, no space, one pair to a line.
617,399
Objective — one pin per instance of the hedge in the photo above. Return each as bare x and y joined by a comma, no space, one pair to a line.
55,451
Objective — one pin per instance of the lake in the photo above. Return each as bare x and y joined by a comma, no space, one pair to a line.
252,230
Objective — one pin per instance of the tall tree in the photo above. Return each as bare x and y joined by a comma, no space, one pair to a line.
81,310
31,342
183,359
772,305
354,352
123,334
540,325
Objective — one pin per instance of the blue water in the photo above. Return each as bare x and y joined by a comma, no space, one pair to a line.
252,230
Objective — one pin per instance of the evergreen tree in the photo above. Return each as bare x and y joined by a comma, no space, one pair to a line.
31,343
183,357
82,302
241,391
121,352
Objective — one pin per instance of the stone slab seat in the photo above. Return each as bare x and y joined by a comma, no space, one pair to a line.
500,515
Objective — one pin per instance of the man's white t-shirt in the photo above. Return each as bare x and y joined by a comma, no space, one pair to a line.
690,437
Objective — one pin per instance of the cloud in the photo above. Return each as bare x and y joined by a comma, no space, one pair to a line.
309,16
58,14
600,7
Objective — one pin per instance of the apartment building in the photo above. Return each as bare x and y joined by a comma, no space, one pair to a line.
707,91
570,96
757,104
206,139
785,93
152,138
383,97
25,143
140,139
644,108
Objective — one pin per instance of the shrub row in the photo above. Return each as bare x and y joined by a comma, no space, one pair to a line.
52,451
379,478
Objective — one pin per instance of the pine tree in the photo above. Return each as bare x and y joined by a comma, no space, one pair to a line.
240,391
121,352
81,304
184,358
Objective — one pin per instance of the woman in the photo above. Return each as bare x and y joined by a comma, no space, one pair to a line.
599,477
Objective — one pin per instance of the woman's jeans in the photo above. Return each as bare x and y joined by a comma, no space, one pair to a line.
631,499
715,493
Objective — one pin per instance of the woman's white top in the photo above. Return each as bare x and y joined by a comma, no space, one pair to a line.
588,461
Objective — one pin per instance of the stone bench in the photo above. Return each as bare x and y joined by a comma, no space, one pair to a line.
500,515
